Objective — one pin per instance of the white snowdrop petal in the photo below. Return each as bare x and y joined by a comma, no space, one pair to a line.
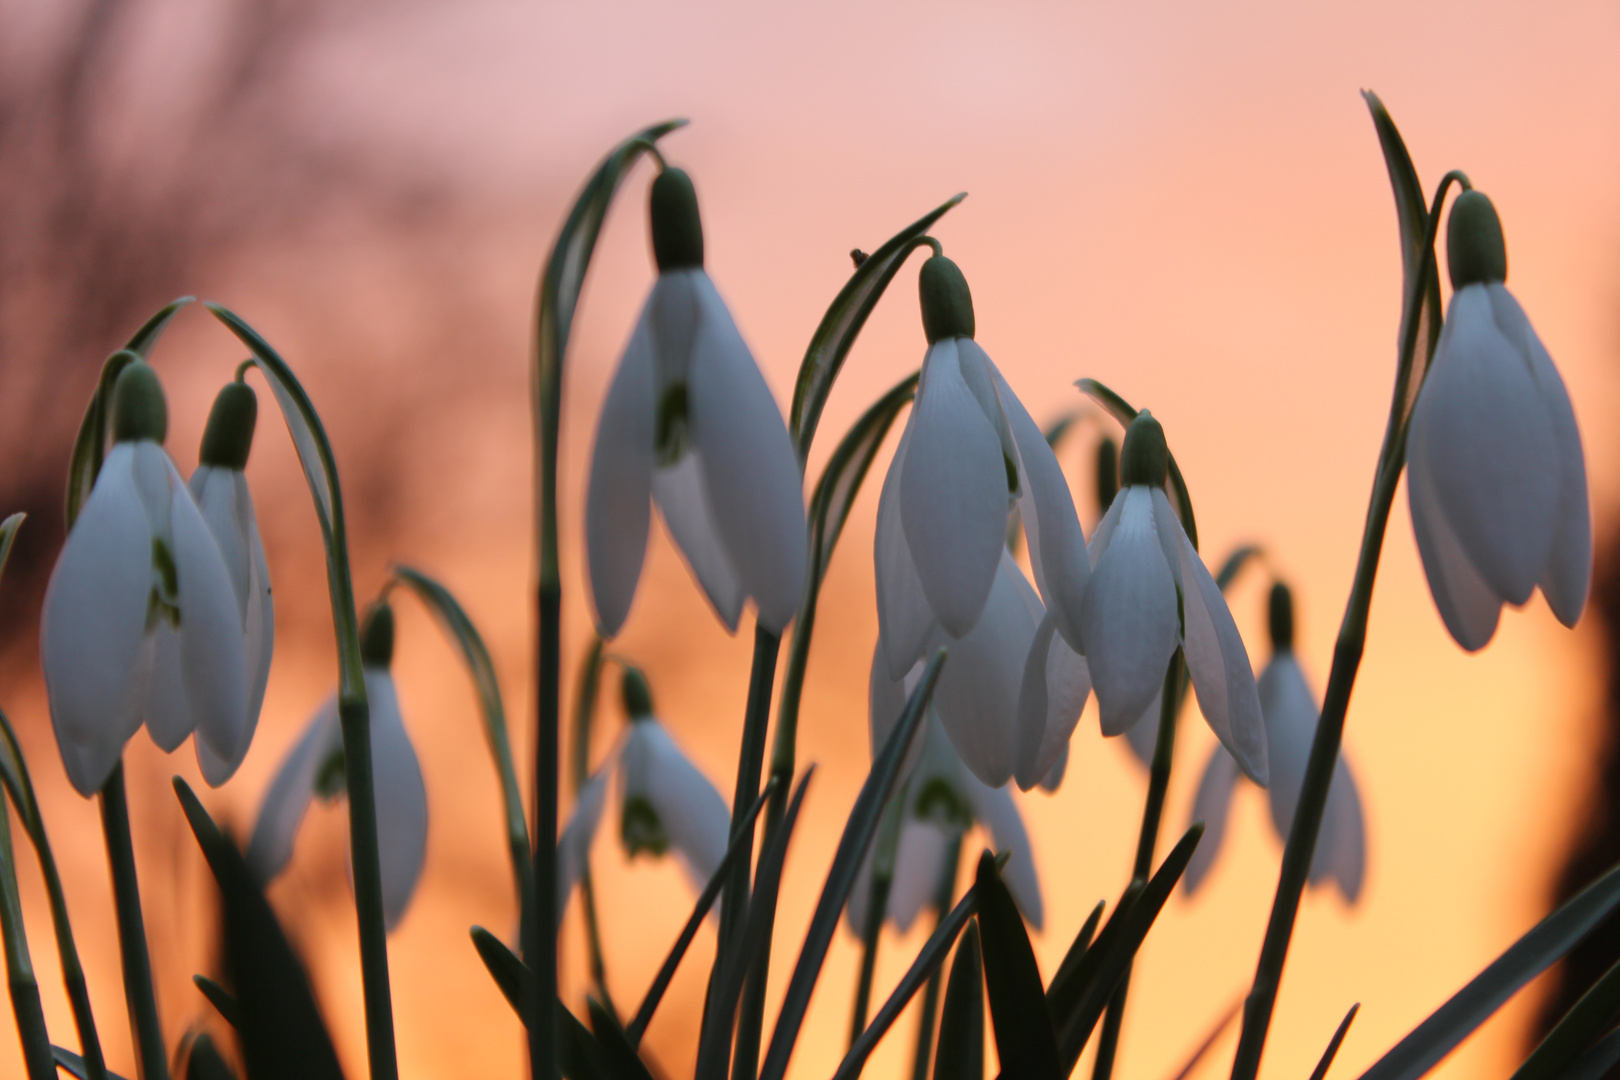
690,808
402,810
167,705
919,862
1349,852
1490,451
977,694
1053,693
673,315
1219,666
1143,736
995,809
212,662
1291,715
1210,806
1167,528
290,792
1057,547
89,764
1105,532
751,473
574,845
1054,776
618,493
684,505
886,700
92,628
1468,606
953,494
904,617
259,629
1128,620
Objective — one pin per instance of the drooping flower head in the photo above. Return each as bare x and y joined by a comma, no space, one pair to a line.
141,621
315,767
1150,592
1496,476
1291,715
968,454
690,423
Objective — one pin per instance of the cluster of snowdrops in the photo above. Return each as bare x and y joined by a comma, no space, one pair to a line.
159,614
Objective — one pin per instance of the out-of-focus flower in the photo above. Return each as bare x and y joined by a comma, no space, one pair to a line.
1496,477
141,620
574,845
968,453
1291,716
1149,592
689,422
315,767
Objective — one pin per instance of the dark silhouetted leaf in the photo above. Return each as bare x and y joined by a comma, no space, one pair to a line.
578,1054
1061,992
74,1064
1018,1013
1334,1043
1063,996
1596,1062
841,480
621,1058
960,1055
1577,1032
219,998
1234,565
204,1061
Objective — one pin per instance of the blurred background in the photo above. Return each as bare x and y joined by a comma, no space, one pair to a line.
1186,201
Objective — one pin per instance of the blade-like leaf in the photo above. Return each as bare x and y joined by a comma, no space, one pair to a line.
929,958
1577,1032
1137,921
220,998
145,339
511,976
578,1055
1215,1030
711,892
1063,998
1334,1043
204,1061
1122,411
1062,980
831,342
25,1002
74,1064
840,482
279,1024
1234,565
8,534
852,845
1412,211
1018,1014
960,1055
1528,957
622,1061
1057,429
1596,1062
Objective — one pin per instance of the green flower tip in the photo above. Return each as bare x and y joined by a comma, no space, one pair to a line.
139,410
677,229
947,304
638,703
1475,250
229,434
640,829
377,636
1107,472
1280,617
1146,457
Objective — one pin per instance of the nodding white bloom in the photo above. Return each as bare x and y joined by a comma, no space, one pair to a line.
667,803
968,454
690,423
942,800
1496,477
141,620
978,696
315,767
1291,716
1149,592
574,844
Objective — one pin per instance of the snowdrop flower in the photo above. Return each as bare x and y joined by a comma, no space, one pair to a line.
690,423
315,767
1291,715
1495,475
943,799
221,493
141,620
1143,570
968,454
667,803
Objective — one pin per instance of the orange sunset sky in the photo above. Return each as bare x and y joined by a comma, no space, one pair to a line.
1186,201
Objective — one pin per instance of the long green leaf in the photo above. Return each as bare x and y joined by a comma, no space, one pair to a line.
1596,1062
929,958
961,1026
24,987
1058,990
1215,1029
1334,1043
841,480
279,1026
8,535
74,1064
1018,1014
1122,410
852,845
1488,991
1577,1032
220,998
623,1063
578,1055
842,323
1063,997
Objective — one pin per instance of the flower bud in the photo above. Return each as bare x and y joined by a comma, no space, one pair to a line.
229,434
1475,250
1280,617
377,636
1107,473
638,703
947,305
139,410
677,229
1146,457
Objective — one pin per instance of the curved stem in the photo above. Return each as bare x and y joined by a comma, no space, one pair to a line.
137,962
945,893
1347,652
579,771
877,904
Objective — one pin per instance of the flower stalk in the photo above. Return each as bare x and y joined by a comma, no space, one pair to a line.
136,960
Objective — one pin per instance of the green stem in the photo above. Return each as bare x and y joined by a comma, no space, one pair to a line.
137,964
1164,750
579,772
355,717
750,764
540,944
25,1004
943,898
1347,652
877,904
